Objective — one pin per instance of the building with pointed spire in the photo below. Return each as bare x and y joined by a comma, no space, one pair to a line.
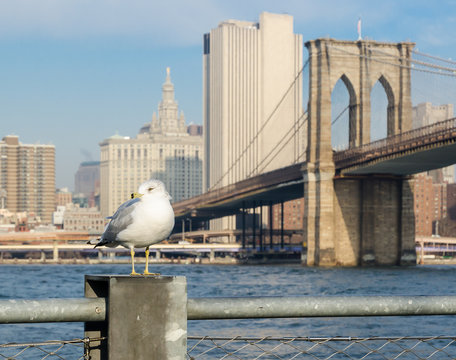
163,149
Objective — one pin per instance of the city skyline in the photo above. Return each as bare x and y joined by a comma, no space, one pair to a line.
72,80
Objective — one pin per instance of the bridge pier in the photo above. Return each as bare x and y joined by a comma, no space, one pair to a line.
365,221
358,220
319,217
408,247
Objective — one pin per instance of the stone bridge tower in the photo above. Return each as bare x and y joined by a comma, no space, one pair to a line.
353,221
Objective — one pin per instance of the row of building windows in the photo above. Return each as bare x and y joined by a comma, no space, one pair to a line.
83,221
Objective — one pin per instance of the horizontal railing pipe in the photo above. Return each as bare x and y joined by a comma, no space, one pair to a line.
312,306
94,309
52,310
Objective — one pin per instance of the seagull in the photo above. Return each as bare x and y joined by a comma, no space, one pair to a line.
146,219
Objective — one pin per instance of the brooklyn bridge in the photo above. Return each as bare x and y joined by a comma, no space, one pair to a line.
358,201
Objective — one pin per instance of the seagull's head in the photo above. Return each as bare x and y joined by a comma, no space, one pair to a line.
153,186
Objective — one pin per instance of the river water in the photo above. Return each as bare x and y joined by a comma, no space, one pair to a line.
67,281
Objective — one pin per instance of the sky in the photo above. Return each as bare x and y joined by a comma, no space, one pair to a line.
74,72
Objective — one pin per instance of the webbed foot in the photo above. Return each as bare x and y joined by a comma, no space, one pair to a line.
147,273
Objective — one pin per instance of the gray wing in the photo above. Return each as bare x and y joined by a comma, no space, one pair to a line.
119,221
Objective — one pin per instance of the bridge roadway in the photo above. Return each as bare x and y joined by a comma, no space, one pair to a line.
427,148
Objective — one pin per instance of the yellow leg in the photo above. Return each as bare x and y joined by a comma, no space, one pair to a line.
132,252
146,270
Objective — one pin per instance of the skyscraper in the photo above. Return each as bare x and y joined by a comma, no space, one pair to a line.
86,178
252,99
27,177
427,114
87,182
250,69
430,191
163,149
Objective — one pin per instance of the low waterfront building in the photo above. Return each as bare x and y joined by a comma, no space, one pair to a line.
63,196
83,219
57,217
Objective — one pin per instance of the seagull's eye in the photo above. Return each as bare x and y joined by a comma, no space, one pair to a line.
150,189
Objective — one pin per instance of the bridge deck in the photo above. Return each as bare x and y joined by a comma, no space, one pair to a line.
408,153
427,148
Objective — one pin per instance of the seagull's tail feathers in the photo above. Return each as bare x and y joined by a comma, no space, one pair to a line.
97,242
93,241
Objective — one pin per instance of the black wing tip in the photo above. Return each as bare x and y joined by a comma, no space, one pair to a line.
90,242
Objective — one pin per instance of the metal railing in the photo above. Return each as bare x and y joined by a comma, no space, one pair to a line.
210,347
53,349
94,309
104,310
426,135
239,347
52,310
269,179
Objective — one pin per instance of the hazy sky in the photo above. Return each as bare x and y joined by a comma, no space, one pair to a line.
74,72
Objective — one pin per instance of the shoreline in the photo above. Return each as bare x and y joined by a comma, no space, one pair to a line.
182,261
187,261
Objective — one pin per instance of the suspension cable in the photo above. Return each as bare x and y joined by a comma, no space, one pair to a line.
449,61
397,65
423,63
278,143
340,114
293,83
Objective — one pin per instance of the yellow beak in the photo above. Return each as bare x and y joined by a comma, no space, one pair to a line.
136,195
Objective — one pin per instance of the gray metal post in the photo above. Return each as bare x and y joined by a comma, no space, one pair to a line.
146,317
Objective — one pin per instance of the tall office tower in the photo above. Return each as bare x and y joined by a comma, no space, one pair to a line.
252,99
86,177
163,149
427,114
28,177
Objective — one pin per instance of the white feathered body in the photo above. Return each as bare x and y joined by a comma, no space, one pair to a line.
142,221
155,223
